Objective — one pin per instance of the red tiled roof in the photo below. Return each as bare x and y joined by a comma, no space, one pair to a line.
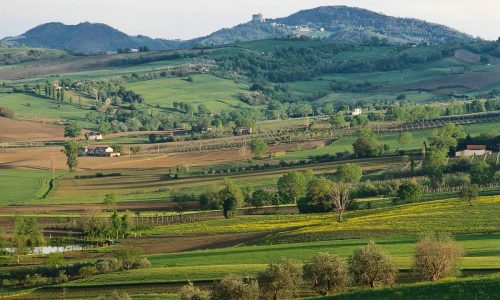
476,147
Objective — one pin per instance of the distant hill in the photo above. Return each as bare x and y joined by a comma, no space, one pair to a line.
339,23
85,38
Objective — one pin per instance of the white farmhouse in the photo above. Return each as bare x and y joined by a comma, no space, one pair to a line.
356,112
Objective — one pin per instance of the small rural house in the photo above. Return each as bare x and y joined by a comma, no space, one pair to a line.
94,136
99,151
356,112
242,131
473,150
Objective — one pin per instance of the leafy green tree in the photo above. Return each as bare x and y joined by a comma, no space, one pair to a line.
404,139
72,130
328,109
110,202
259,147
317,196
71,150
370,265
409,191
27,234
104,128
367,147
469,193
281,281
446,137
129,256
338,120
54,260
436,258
481,173
292,186
261,198
231,197
349,173
328,274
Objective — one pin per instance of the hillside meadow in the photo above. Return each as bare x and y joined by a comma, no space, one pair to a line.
217,94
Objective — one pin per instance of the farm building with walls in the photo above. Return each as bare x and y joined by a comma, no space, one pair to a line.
473,150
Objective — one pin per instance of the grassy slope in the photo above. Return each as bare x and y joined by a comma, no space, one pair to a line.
218,94
43,107
480,287
18,185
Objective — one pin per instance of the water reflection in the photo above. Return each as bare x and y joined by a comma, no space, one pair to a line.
48,249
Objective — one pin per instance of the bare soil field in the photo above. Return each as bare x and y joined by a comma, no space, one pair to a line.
161,244
15,130
467,56
41,158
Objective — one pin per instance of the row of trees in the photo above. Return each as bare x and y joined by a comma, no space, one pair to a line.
326,274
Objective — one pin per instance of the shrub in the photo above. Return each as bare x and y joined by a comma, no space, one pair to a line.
436,258
481,173
409,191
35,280
142,263
108,265
369,265
469,193
233,287
327,274
129,256
190,292
281,280
87,271
61,277
7,113
116,296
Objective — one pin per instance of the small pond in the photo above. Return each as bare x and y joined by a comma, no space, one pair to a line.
49,249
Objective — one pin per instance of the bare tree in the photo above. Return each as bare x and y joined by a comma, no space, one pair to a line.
340,198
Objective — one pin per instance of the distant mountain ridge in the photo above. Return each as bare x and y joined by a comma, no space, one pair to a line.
85,38
339,23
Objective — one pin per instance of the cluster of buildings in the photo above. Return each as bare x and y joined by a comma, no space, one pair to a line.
104,151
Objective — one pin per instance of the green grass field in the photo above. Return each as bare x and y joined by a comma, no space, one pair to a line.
25,105
217,94
478,287
17,185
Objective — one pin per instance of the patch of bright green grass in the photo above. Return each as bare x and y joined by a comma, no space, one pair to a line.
217,94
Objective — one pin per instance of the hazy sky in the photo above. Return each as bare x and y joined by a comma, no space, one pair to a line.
192,18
